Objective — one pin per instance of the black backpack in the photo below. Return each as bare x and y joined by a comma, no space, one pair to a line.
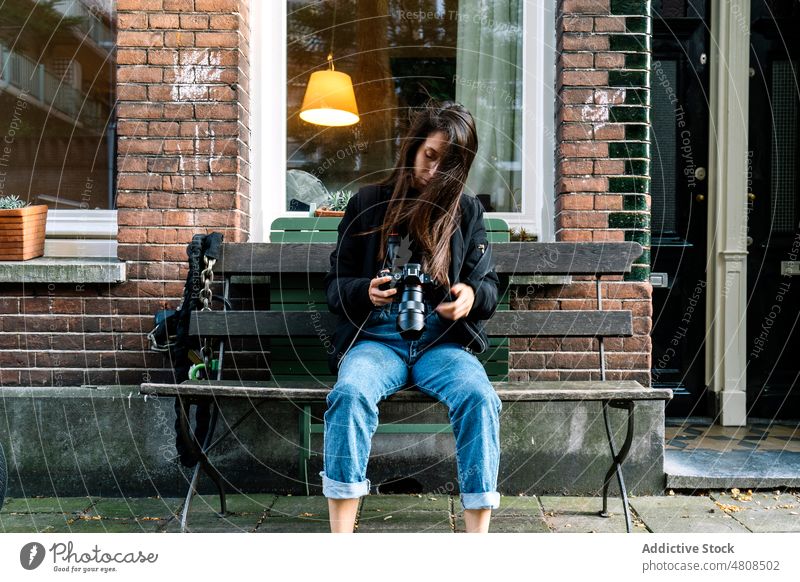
171,336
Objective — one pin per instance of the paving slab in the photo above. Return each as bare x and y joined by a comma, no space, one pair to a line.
763,512
515,525
113,526
289,525
406,522
135,507
294,506
581,515
515,514
32,522
238,504
244,513
212,523
47,504
510,524
386,503
515,506
685,514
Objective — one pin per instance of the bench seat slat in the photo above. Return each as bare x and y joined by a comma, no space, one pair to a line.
508,391
502,324
509,258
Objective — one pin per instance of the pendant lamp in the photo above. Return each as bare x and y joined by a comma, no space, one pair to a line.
329,98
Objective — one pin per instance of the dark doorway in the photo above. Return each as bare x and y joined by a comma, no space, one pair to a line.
679,117
773,236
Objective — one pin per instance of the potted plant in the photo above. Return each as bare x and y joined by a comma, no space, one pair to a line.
22,229
336,204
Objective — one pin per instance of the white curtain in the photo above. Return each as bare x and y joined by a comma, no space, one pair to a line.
489,83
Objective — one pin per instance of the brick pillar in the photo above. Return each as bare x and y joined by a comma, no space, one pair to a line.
183,133
602,183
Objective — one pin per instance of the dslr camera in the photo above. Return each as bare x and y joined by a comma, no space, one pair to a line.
412,285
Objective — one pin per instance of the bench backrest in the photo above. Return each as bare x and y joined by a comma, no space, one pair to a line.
298,322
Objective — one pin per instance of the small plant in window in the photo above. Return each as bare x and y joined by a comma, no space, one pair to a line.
336,203
520,234
11,202
338,200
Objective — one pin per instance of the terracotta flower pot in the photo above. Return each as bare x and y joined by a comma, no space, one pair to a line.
326,212
22,232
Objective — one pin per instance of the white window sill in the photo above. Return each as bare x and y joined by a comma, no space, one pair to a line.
63,270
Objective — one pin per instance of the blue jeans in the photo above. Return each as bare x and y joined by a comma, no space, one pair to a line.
378,365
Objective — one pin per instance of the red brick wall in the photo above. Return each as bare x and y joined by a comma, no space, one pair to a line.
183,168
183,82
602,186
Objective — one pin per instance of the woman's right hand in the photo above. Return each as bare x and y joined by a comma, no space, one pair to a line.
378,296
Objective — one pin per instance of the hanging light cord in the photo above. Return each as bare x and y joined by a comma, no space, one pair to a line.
333,31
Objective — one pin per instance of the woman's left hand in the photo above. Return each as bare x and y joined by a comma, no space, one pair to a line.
465,297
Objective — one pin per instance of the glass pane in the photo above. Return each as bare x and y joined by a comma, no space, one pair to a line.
664,176
784,146
399,54
669,8
56,102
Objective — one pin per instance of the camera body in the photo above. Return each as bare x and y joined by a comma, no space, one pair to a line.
412,284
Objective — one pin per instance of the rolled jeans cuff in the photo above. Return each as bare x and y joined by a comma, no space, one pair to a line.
489,500
339,490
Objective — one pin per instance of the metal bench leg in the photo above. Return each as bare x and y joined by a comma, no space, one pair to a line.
618,458
3,476
199,451
187,503
305,444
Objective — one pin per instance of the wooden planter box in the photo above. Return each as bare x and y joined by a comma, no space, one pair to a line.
22,233
326,212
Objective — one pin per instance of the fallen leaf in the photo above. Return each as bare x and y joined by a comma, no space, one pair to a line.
728,508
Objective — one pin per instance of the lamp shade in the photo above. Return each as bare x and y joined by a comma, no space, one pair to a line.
329,100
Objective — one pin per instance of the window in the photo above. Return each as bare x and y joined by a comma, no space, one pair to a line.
497,58
57,93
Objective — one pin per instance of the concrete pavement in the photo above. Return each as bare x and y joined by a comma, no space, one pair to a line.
708,511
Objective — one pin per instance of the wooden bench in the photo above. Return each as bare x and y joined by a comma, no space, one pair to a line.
285,262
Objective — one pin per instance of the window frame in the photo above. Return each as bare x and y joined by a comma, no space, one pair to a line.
268,132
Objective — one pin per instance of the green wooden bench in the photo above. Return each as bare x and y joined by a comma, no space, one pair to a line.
293,359
296,262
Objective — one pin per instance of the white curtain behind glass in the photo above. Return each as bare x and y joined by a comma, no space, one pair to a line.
489,84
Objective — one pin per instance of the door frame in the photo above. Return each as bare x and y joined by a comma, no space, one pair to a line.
726,354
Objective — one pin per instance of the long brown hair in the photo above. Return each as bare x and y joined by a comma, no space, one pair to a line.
432,217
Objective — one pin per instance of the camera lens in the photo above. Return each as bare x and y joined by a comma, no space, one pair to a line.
411,312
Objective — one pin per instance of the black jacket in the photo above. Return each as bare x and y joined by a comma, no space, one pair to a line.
354,264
